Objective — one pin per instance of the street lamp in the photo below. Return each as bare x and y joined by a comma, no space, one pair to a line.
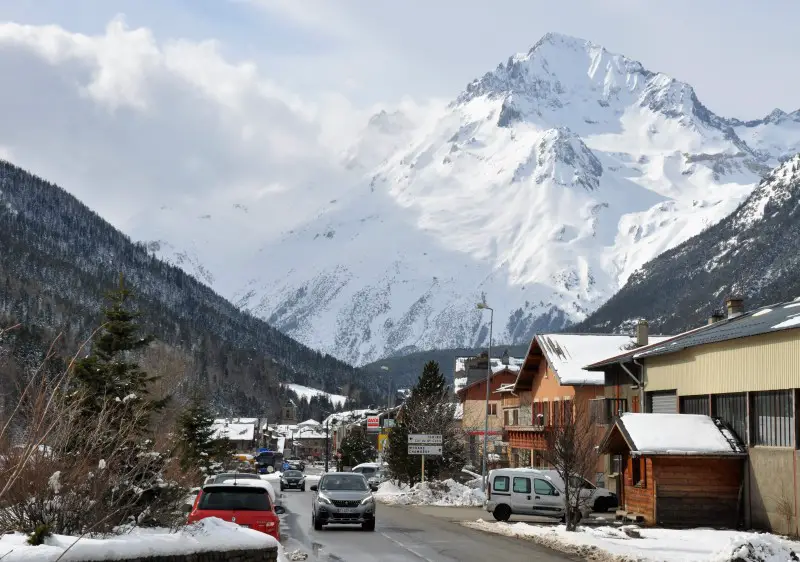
483,306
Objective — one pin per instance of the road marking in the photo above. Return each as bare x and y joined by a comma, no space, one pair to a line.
412,551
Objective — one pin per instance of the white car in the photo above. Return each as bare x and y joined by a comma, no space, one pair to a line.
526,491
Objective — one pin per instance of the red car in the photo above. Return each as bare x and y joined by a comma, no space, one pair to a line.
243,504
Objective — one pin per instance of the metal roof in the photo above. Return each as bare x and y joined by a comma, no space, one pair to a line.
765,320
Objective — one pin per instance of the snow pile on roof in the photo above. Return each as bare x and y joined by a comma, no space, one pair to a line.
307,392
208,535
458,413
308,433
351,416
567,354
309,423
225,429
514,364
678,434
656,545
447,493
508,387
459,383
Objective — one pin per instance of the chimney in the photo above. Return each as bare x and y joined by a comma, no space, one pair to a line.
504,358
716,316
735,306
642,333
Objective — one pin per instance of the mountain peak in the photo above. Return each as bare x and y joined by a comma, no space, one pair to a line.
558,64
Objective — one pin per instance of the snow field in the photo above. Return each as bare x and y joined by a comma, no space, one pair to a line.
446,493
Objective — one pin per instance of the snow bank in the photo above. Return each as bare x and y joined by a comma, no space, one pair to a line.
447,493
618,544
210,534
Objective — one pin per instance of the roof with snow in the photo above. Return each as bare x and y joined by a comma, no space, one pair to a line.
458,413
671,434
764,320
568,354
351,416
223,429
310,423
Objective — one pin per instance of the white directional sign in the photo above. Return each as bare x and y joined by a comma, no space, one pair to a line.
424,439
424,449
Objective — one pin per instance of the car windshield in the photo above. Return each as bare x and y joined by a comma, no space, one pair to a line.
293,474
343,482
367,470
234,498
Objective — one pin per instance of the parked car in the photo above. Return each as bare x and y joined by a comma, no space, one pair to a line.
234,477
601,499
244,504
526,491
378,478
366,468
296,464
293,479
342,498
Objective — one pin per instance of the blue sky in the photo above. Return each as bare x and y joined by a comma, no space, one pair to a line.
738,54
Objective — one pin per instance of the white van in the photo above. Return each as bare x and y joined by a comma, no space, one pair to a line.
526,491
600,499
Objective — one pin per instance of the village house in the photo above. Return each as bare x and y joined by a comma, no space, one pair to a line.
470,385
241,432
552,384
744,369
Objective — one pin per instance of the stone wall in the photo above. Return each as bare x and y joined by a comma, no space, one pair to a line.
269,554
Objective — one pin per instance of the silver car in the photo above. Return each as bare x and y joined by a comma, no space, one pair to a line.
343,498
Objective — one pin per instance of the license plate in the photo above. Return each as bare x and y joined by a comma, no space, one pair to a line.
347,510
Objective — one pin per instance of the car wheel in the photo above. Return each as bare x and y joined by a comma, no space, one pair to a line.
303,488
282,488
317,523
368,525
601,505
502,513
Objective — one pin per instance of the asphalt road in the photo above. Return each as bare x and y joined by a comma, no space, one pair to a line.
402,534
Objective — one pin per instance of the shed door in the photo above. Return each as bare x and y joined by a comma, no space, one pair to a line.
663,402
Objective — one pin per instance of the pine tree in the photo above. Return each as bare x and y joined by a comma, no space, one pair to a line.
431,383
357,448
197,437
109,380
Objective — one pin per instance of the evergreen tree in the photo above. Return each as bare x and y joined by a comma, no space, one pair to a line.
357,448
109,381
198,449
431,383
426,411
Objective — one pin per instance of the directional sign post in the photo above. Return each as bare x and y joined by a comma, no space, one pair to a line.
424,444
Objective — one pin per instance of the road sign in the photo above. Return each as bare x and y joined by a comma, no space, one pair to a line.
373,423
424,449
424,439
388,423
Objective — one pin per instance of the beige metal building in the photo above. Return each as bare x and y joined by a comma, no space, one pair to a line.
743,368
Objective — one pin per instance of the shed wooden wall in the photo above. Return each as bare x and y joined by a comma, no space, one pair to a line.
697,492
640,499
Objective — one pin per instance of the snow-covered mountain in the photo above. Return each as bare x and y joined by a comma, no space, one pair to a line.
544,185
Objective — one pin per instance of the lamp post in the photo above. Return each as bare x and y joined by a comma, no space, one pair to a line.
484,306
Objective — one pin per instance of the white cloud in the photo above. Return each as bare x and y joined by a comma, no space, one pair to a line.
124,121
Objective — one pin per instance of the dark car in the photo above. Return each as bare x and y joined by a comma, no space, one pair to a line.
296,464
293,479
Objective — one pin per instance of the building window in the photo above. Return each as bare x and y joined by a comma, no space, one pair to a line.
567,412
638,472
772,418
616,464
541,413
492,409
511,416
694,405
732,409
604,410
557,413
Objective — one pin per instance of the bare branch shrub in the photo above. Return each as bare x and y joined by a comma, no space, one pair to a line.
572,452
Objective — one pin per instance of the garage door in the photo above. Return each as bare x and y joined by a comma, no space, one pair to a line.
663,403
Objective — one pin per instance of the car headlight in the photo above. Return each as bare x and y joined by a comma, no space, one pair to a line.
367,500
284,480
323,499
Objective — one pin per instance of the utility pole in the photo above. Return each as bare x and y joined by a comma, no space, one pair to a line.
327,445
484,306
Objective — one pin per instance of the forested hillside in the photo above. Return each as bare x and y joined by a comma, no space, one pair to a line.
57,259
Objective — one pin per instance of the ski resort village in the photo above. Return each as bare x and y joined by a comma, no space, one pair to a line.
347,281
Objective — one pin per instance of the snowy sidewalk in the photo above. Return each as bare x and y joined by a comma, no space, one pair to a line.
613,544
446,493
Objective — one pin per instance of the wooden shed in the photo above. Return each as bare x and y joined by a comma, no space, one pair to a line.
679,470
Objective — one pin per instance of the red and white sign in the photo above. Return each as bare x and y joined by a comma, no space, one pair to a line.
373,423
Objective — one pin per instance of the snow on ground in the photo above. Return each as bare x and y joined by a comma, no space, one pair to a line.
307,392
447,493
210,534
613,544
